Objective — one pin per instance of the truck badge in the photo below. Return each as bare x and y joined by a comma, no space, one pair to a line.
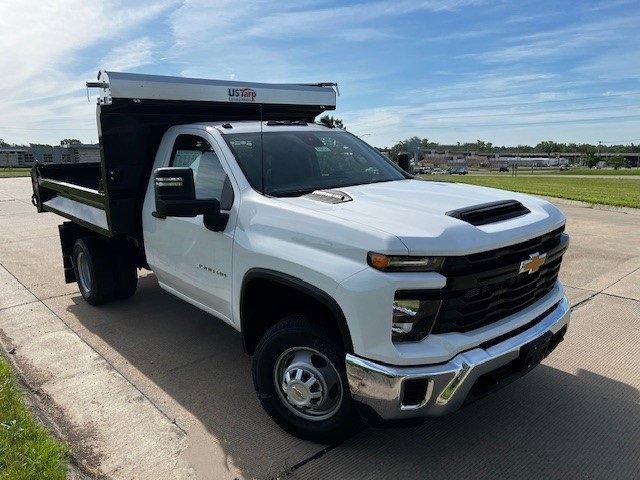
533,264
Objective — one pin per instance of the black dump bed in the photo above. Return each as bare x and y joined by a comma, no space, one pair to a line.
133,113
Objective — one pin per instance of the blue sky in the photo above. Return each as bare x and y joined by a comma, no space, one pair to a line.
509,72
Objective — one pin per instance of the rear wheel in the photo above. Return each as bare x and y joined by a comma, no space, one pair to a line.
94,273
299,376
103,273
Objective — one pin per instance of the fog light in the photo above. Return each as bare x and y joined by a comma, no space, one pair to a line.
413,317
414,392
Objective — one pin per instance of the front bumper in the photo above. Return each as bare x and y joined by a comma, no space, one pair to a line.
445,387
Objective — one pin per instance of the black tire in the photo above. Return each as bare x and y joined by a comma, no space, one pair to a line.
292,332
99,287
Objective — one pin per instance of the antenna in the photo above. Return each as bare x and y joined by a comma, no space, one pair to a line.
261,149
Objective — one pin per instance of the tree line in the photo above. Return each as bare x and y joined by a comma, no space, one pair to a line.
416,144
65,143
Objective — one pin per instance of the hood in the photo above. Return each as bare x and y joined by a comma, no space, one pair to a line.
416,212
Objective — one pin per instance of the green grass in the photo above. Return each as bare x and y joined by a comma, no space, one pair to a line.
6,172
621,192
27,450
580,171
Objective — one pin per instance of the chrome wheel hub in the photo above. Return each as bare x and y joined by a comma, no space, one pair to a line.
308,383
84,272
301,387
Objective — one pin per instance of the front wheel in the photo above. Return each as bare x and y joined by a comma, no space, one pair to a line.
299,376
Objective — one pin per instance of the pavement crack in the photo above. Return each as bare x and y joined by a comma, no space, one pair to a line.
315,456
602,291
620,296
621,278
19,304
586,300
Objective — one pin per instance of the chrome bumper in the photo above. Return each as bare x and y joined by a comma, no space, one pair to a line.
381,386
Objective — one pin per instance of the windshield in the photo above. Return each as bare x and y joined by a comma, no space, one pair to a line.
296,163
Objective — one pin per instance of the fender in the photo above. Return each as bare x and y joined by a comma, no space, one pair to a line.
302,286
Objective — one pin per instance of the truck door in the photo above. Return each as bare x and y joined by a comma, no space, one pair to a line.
189,260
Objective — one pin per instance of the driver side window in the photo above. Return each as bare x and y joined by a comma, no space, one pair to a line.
209,177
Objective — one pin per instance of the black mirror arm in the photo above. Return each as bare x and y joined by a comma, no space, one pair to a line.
216,222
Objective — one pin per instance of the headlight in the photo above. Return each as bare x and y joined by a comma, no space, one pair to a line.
413,315
399,263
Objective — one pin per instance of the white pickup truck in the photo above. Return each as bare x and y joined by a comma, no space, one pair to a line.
362,293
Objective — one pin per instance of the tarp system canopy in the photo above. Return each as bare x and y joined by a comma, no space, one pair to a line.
157,87
135,110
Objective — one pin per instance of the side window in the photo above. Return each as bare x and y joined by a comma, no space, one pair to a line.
210,179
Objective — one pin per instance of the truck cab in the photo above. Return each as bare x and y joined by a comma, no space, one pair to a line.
362,293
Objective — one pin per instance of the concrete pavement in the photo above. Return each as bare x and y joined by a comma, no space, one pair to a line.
154,388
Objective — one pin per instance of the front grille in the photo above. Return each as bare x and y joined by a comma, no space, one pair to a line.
485,287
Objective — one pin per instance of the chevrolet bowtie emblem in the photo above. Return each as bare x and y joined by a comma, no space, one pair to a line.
533,264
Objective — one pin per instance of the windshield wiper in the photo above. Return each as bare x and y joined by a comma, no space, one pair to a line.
272,123
298,192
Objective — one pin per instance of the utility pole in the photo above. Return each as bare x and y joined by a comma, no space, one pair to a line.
599,144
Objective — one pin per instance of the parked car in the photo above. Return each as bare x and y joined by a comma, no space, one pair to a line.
503,169
363,294
458,171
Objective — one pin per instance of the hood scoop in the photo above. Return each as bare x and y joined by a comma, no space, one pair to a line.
490,212
329,196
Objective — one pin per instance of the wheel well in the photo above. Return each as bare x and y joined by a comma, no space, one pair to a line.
70,232
268,296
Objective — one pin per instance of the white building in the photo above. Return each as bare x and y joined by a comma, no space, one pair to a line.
27,157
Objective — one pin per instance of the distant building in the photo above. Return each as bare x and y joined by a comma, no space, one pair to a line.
12,157
531,161
27,157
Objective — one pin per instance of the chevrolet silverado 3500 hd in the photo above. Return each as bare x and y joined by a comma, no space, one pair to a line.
361,292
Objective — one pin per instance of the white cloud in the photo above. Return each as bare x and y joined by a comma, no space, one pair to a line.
41,45
562,42
133,54
316,22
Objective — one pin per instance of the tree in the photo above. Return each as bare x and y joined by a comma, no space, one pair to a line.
549,146
3,144
70,141
332,122
616,162
410,145
591,160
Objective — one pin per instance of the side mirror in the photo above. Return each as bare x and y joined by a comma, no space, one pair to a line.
175,195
